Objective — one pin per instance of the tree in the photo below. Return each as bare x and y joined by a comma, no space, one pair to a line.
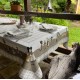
68,5
62,4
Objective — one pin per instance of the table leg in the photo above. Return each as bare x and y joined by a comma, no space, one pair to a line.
30,69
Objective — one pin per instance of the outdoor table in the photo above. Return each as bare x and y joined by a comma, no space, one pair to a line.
18,43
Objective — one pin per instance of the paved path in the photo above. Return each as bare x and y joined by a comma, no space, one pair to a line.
75,23
8,68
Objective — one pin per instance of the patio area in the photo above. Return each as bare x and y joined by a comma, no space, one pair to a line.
37,42
11,70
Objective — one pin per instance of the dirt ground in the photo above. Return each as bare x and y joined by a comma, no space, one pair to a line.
75,24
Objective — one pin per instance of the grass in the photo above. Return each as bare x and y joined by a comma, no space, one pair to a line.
74,35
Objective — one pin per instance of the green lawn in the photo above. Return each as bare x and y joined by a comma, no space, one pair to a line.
74,35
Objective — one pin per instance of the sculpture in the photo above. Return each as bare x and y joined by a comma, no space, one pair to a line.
64,65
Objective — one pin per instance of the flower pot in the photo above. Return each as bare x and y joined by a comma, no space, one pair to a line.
16,7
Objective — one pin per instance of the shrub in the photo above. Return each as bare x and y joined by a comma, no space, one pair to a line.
62,4
53,21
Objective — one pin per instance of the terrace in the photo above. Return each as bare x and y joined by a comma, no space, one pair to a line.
26,14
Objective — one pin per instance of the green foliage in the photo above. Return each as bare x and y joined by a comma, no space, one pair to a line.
73,1
73,8
14,0
15,3
53,21
7,6
12,16
56,6
1,5
4,4
39,19
62,4
39,2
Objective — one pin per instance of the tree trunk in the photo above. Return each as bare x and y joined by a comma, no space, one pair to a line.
78,7
27,8
68,5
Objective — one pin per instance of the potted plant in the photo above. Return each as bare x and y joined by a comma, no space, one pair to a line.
15,6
